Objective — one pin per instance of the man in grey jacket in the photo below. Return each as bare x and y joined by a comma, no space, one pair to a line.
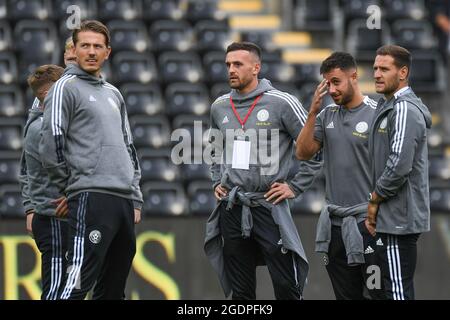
341,131
252,224
88,151
39,193
398,210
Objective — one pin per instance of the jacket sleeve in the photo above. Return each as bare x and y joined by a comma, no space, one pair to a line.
137,194
59,105
216,152
293,118
24,186
405,133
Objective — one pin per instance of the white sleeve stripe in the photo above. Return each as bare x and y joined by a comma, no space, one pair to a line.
296,108
56,104
221,98
295,102
400,127
290,104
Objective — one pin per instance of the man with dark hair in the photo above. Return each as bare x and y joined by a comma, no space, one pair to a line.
341,131
252,224
44,218
88,150
399,208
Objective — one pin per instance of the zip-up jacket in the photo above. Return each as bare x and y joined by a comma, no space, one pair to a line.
277,120
86,141
37,189
399,163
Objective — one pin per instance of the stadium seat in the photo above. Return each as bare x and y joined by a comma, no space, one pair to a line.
11,204
191,123
151,132
440,199
3,9
219,89
29,9
162,9
5,36
136,67
215,67
363,42
439,167
193,172
11,101
403,9
314,15
275,69
427,73
88,9
8,68
262,38
413,34
307,72
143,99
11,133
156,165
213,35
128,35
164,198
41,36
169,35
9,165
201,198
203,10
123,9
176,67
187,98
356,9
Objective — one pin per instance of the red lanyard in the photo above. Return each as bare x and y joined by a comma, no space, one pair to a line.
242,122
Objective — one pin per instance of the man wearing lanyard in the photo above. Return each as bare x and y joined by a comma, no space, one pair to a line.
253,129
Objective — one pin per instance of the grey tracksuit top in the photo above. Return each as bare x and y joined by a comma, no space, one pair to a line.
399,162
37,189
344,135
278,115
86,141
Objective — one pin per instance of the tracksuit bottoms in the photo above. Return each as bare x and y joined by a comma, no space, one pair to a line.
241,256
50,235
101,246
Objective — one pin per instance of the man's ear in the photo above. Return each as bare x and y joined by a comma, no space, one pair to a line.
257,68
404,72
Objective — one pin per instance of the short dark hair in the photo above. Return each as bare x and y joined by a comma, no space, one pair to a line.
44,75
247,46
94,26
402,57
341,60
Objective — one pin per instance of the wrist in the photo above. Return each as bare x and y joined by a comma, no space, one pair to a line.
374,198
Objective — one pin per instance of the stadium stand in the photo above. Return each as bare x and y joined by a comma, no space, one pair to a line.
168,61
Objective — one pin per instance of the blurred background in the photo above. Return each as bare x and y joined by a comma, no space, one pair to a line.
168,62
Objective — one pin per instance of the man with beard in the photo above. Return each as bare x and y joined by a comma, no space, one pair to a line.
399,205
341,131
252,223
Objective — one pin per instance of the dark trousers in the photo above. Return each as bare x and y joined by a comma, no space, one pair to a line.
351,282
50,235
397,258
102,245
241,255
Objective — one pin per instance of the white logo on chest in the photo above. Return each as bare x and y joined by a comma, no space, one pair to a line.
383,124
262,115
362,127
113,104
